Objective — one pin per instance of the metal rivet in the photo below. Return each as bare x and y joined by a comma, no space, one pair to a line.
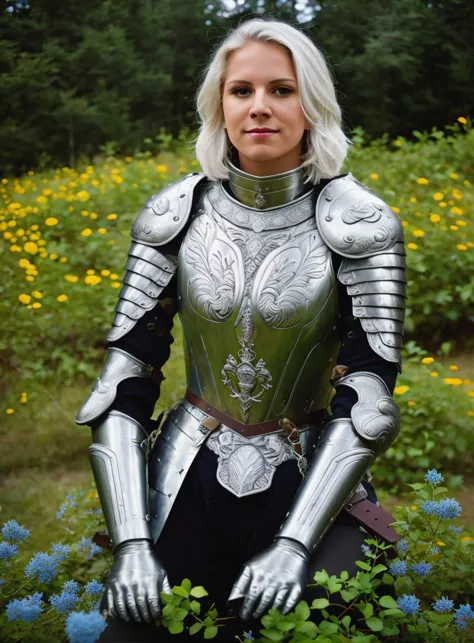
150,326
175,218
181,196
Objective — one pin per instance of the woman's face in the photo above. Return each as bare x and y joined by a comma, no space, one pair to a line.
260,91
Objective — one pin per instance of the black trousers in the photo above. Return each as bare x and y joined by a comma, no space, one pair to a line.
210,534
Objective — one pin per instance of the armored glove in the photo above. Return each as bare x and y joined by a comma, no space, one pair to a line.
274,578
134,582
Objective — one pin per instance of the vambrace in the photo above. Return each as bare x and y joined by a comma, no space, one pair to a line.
347,449
119,466
118,366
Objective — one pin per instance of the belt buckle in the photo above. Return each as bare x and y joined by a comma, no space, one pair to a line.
292,434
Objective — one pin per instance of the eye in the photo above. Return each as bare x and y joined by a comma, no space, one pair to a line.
286,90
283,91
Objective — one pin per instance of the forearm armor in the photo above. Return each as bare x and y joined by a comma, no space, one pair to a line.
347,449
119,466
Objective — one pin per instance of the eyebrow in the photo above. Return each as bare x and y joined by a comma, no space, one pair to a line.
272,82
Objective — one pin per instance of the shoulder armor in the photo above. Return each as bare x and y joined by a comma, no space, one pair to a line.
166,212
355,222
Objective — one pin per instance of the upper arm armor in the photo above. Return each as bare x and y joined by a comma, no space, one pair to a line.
150,264
356,224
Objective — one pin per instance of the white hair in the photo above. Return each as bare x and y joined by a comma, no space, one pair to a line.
326,144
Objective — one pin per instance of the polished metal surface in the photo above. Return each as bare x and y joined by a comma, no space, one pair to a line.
118,366
243,293
119,467
165,213
347,449
354,221
263,192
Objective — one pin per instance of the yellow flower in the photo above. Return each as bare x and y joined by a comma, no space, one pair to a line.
34,227
105,273
91,271
401,390
466,539
113,276
37,304
412,246
41,199
24,263
427,360
405,224
453,367
470,413
62,298
466,381
413,507
71,278
37,294
115,284
25,299
30,247
93,215
86,232
470,393
29,278
454,381
63,260
422,180
373,176
53,256
461,246
441,543
413,199
117,178
453,227
161,169
418,233
111,217
128,159
15,248
438,196
83,195
51,221
10,411
456,210
411,403
443,204
434,374
102,230
461,223
92,280
453,175
395,209
462,120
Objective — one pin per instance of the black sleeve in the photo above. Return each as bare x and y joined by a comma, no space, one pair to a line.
356,354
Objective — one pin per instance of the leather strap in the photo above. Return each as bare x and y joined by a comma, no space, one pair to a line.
373,517
249,430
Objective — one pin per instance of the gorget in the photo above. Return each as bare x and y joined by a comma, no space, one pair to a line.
259,310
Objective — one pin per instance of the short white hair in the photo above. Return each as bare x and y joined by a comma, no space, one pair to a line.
326,144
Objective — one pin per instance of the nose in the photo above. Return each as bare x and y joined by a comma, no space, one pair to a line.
260,105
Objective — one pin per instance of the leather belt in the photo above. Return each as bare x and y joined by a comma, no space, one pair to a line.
250,430
373,517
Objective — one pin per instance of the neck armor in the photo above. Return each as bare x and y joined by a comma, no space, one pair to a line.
263,192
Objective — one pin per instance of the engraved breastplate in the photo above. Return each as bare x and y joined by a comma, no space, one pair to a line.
258,306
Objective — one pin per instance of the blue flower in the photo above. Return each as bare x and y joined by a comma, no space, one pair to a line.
14,532
455,530
28,609
71,586
7,551
83,627
402,546
422,569
43,566
248,636
64,602
398,568
433,477
409,604
94,588
443,604
60,552
366,549
434,550
463,614
86,544
62,510
447,508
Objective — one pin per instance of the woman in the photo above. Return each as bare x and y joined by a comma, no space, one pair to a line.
248,252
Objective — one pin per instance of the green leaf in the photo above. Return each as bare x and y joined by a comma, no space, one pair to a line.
362,565
319,603
388,601
387,579
210,632
344,575
175,627
302,612
273,635
328,628
285,626
166,598
346,621
321,577
186,584
349,594
194,629
375,623
169,610
377,569
195,607
417,485
180,591
392,612
333,585
307,627
198,592
180,614
367,609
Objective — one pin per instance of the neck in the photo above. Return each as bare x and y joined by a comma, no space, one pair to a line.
264,192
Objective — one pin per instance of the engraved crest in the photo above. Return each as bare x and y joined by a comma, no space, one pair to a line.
362,211
158,205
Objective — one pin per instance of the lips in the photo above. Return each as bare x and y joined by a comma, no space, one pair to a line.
261,130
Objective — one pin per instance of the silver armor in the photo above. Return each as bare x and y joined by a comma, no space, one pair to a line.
257,296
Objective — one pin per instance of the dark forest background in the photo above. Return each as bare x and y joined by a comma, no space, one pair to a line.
78,75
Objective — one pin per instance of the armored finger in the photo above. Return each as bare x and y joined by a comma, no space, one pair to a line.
142,607
292,599
154,605
165,586
280,598
251,600
240,586
266,602
131,604
120,604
